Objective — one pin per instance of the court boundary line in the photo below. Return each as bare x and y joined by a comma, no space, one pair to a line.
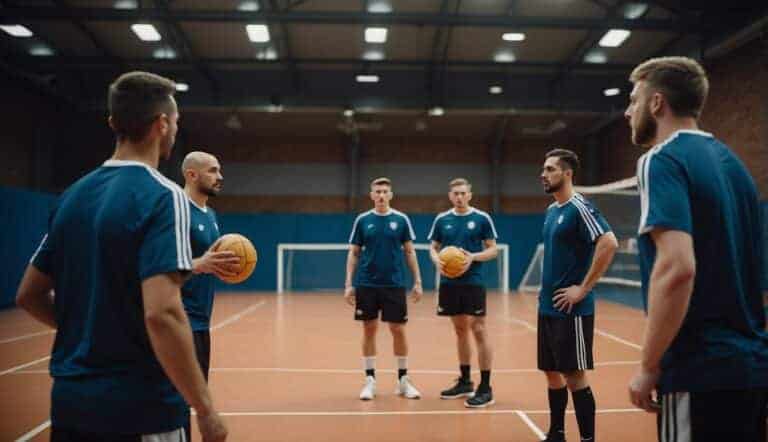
23,366
27,336
535,428
412,412
34,432
236,317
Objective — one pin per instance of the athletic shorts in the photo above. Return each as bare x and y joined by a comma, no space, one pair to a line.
565,344
390,301
461,299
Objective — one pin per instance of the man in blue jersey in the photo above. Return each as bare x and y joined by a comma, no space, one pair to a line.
463,298
116,253
705,349
202,180
578,248
380,238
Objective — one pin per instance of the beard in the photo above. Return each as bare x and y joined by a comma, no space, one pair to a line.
645,132
552,188
209,190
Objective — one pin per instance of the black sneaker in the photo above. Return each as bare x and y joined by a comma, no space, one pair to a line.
481,399
557,436
463,388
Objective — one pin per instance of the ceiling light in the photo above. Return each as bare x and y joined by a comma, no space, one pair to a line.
41,51
182,87
126,4
164,53
367,78
595,56
614,38
373,54
611,92
266,54
633,11
504,57
146,32
436,111
17,30
495,90
257,33
249,6
513,36
349,112
379,7
376,35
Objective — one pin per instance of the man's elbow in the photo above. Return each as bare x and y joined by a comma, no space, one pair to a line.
23,299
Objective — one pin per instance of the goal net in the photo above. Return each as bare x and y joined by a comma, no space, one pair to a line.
322,267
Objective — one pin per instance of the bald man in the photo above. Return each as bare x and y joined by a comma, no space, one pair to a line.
202,180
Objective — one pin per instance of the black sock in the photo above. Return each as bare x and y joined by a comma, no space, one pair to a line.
558,400
584,403
370,372
485,380
464,372
401,372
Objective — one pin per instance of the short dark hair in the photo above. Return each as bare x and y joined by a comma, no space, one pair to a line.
567,159
682,80
135,99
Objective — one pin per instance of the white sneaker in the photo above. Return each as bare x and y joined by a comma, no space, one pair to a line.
369,389
405,388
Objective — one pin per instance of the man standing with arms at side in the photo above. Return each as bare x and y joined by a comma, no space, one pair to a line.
578,248
705,349
116,253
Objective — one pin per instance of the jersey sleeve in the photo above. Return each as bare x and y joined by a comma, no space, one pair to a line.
166,244
434,231
593,224
489,229
664,194
407,233
42,259
356,237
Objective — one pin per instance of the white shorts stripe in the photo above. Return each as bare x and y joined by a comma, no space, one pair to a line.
176,435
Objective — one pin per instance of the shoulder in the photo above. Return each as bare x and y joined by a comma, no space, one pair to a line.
401,215
442,215
483,215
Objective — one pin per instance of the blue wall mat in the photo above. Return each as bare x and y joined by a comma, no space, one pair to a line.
24,216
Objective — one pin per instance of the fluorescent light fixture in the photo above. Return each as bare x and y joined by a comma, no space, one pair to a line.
146,32
373,54
257,33
20,31
266,54
349,112
436,111
379,7
504,57
611,92
164,53
126,4
367,78
375,35
614,38
249,6
513,36
41,51
595,57
495,90
633,11
182,87
275,108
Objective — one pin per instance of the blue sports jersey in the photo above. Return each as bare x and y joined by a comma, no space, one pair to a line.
381,237
197,292
570,232
693,183
467,231
120,224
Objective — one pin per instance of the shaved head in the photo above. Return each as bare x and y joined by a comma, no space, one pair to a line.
202,172
197,160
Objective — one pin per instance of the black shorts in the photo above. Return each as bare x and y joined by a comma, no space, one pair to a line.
67,435
389,300
713,416
202,340
565,344
461,299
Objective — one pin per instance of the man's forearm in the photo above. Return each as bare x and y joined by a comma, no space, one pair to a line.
601,260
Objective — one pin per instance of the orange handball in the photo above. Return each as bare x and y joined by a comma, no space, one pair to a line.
454,260
243,249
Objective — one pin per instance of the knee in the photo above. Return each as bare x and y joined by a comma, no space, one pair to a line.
461,329
576,380
397,329
478,329
370,328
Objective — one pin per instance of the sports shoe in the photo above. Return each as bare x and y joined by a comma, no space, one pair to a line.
369,389
406,389
481,399
556,436
463,388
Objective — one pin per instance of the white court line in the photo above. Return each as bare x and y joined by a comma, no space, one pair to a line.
357,370
31,335
535,428
34,432
23,366
598,331
237,316
408,413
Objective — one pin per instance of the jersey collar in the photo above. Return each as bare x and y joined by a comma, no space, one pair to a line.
682,131
469,212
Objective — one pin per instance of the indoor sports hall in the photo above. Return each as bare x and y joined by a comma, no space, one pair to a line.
304,103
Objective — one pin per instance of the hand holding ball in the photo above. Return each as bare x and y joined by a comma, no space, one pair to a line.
244,250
